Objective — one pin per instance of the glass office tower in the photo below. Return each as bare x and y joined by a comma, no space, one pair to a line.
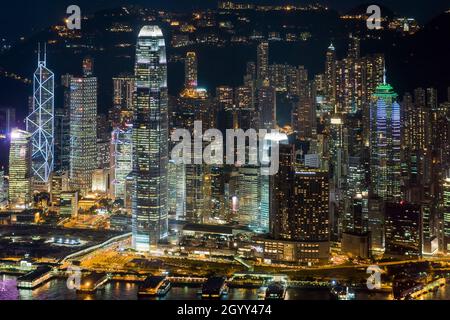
40,123
150,141
19,192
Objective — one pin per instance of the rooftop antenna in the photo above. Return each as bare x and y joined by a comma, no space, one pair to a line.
384,74
45,53
39,52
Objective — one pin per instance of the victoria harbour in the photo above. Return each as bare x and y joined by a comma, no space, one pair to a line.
246,150
57,290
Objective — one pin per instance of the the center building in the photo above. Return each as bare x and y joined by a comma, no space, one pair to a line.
150,141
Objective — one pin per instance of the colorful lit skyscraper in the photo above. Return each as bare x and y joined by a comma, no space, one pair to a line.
150,141
385,129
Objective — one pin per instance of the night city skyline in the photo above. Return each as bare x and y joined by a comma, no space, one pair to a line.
230,150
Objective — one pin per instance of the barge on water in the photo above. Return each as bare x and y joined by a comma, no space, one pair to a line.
35,278
342,293
414,288
93,282
154,286
215,288
276,291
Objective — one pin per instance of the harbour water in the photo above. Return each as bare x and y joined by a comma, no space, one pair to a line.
56,289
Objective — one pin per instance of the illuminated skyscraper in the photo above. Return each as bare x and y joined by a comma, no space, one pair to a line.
446,214
150,141
244,108
304,117
190,70
122,112
225,97
413,124
277,195
357,78
103,142
19,192
62,139
122,156
354,47
248,194
272,213
267,107
218,203
403,224
177,190
83,131
310,220
262,64
299,211
278,76
385,129
373,72
416,145
330,74
429,239
40,123
194,105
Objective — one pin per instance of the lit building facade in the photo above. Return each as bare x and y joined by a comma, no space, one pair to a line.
190,70
60,183
445,207
69,204
403,223
267,106
62,139
311,205
83,132
330,74
150,141
262,64
122,161
177,190
122,112
248,195
19,191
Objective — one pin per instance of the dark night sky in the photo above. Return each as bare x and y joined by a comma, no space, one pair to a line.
21,17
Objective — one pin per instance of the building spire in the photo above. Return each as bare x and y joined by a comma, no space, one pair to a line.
44,61
39,52
384,74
